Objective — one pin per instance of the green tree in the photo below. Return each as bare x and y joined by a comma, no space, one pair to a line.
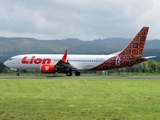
152,65
2,67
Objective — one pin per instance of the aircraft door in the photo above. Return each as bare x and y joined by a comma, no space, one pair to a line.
17,60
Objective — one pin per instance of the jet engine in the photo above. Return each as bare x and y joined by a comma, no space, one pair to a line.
47,68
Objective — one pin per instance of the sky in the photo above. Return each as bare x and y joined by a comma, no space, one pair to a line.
82,19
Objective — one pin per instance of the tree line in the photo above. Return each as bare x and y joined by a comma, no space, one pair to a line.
149,66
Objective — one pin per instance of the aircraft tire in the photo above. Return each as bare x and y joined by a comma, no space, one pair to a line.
69,73
17,74
77,73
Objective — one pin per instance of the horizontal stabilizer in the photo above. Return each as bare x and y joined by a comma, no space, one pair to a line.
150,57
136,58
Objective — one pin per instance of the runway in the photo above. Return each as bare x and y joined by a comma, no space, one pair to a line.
80,77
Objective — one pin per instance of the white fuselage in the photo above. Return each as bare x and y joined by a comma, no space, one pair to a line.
34,61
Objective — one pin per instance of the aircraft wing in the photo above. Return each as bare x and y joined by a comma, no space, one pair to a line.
63,64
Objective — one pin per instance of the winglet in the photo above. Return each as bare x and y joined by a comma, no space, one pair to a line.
64,58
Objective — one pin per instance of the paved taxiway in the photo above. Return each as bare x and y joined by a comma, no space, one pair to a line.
82,77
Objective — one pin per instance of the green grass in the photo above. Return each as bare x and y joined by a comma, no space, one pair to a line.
79,99
84,74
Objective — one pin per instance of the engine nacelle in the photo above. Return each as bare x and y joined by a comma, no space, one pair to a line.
47,68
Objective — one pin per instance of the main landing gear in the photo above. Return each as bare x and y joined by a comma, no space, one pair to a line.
69,73
77,73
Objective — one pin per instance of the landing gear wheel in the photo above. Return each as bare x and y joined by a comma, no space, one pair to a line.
77,73
69,73
17,74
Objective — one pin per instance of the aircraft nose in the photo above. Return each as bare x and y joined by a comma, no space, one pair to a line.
5,63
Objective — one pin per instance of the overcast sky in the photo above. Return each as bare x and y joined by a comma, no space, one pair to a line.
83,19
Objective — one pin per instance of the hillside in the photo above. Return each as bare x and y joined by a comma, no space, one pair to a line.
14,46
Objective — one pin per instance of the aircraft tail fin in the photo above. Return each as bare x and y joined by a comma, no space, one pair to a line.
135,48
130,55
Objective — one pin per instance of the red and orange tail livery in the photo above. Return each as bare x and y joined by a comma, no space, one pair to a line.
130,55
135,47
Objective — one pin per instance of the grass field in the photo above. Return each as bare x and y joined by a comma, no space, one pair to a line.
79,99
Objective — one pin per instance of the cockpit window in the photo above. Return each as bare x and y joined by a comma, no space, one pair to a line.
11,58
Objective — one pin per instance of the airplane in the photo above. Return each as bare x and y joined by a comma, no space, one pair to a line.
65,63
